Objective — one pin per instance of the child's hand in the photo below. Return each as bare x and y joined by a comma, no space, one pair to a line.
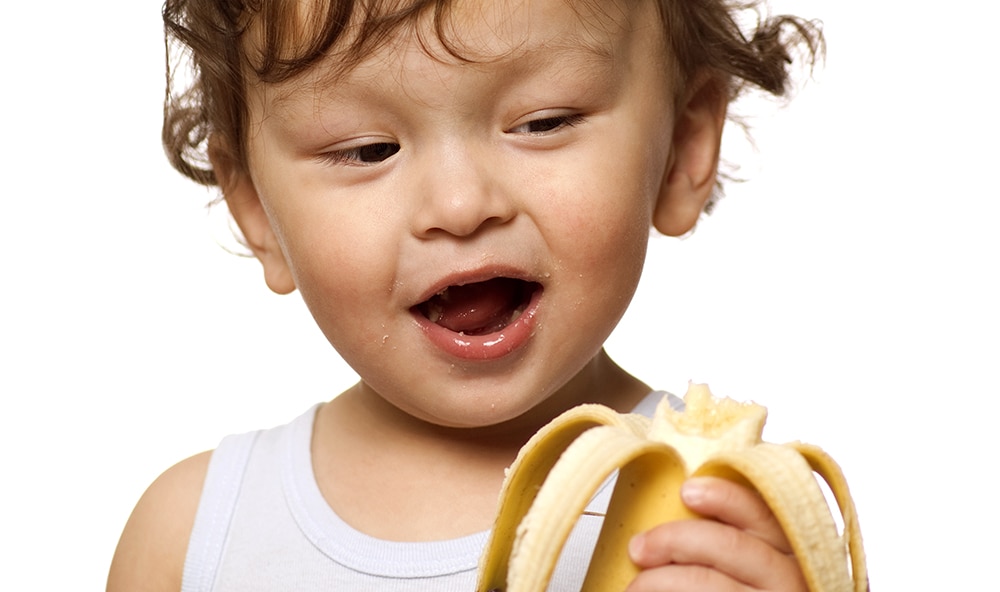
740,547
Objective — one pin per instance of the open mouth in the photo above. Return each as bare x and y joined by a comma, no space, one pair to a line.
479,308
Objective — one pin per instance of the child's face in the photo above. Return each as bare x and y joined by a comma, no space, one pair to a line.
468,234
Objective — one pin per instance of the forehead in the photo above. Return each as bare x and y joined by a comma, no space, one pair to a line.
326,45
485,30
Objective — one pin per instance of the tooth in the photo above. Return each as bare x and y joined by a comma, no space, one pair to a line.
434,313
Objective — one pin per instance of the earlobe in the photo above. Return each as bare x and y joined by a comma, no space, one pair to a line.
690,176
247,210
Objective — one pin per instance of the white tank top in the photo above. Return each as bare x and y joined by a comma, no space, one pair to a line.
262,524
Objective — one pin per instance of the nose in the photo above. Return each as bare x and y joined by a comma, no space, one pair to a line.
461,191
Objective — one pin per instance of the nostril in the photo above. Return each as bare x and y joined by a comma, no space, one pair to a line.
463,223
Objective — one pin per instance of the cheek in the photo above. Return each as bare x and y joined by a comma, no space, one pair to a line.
601,226
341,263
605,211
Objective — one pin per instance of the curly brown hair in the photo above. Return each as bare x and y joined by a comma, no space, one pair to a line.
210,36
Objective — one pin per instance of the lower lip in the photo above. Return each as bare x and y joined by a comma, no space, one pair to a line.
492,346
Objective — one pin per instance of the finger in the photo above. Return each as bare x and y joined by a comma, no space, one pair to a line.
683,578
736,505
741,556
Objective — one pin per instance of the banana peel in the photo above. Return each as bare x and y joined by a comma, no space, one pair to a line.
561,467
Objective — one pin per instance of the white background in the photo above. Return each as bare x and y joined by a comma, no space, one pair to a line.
851,287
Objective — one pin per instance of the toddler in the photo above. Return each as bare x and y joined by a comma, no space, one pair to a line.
462,192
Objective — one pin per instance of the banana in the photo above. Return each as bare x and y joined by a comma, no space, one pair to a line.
560,468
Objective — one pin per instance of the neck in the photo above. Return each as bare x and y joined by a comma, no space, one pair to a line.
395,476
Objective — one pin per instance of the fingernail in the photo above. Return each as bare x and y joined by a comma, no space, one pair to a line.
635,546
693,492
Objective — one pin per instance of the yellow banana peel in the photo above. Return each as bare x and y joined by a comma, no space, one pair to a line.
561,467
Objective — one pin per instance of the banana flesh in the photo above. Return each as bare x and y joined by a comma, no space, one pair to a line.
562,466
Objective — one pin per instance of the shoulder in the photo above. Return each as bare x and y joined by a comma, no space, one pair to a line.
151,551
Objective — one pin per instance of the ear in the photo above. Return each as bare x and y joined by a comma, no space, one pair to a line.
248,212
690,177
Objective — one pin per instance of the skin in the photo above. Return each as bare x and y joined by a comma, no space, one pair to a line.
542,159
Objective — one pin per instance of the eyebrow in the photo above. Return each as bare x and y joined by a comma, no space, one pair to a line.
577,51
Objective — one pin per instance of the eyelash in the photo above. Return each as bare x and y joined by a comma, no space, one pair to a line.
549,124
364,155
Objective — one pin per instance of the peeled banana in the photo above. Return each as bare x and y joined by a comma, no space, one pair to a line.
558,471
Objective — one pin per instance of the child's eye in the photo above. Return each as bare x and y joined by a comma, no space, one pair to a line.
362,155
547,124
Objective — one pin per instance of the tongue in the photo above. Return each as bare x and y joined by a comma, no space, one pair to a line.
477,309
